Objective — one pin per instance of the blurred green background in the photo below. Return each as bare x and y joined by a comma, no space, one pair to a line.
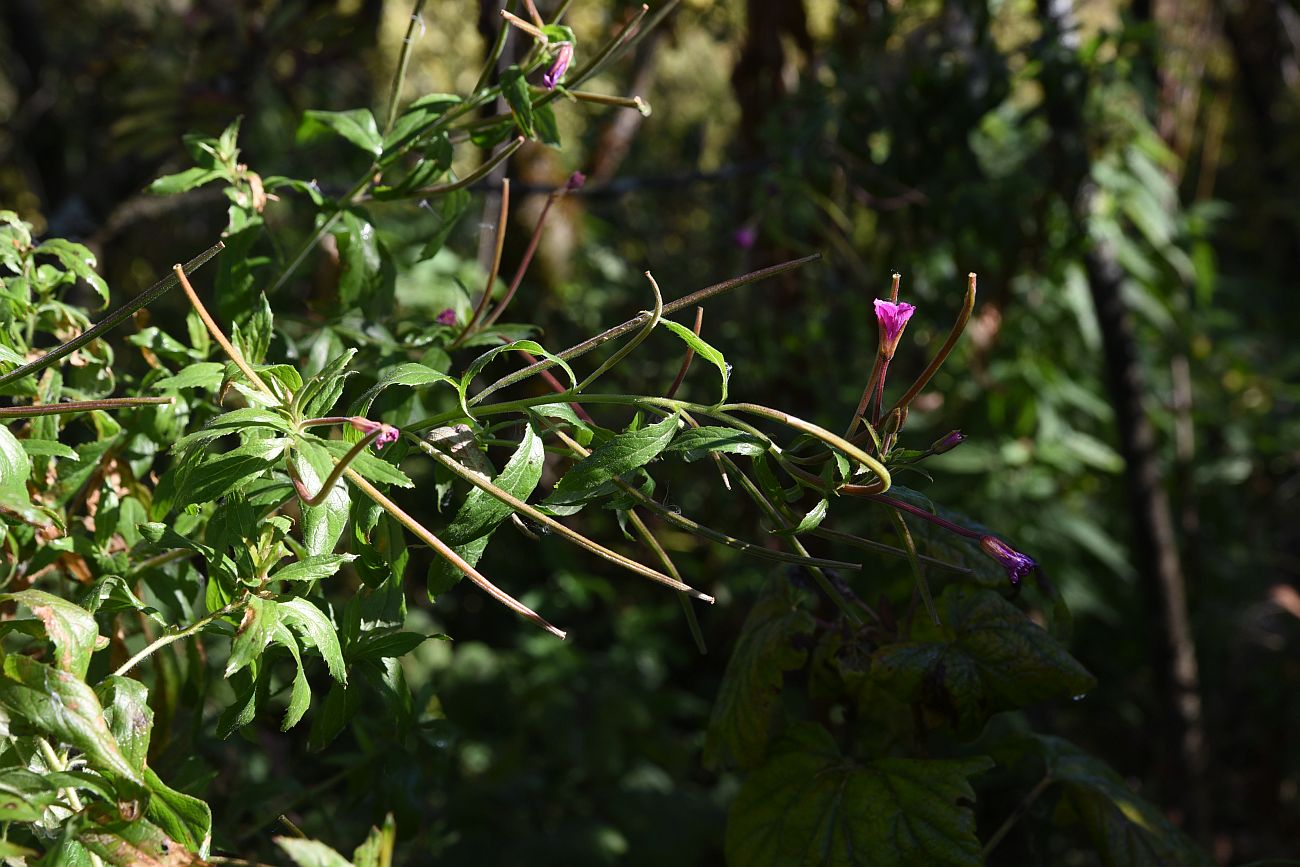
1121,176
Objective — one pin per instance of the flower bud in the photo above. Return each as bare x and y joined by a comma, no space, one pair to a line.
576,180
947,442
446,317
559,66
1016,564
387,433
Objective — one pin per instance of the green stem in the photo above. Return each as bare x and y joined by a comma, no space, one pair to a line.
59,764
627,348
395,94
71,406
114,319
503,215
619,330
1020,810
968,304
172,637
922,586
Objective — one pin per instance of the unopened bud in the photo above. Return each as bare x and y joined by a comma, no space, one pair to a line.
947,442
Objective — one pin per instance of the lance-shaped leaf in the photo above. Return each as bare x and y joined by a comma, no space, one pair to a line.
321,391
256,629
310,622
988,656
481,513
139,843
71,629
530,346
704,350
811,805
357,126
748,707
180,816
408,374
697,442
624,453
129,717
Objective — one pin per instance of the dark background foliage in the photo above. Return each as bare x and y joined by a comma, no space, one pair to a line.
1120,175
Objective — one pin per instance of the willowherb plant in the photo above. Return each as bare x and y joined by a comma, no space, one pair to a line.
246,470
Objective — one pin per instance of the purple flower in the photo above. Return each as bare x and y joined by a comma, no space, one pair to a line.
576,180
745,237
559,66
1016,564
446,317
892,318
947,442
387,433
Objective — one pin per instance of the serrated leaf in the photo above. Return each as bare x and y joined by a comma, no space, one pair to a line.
704,350
310,622
1126,830
300,691
219,475
747,708
988,656
409,374
61,704
256,629
15,468
182,817
71,629
393,644
357,126
201,374
697,442
480,513
313,568
610,460
810,805
322,391
48,449
78,260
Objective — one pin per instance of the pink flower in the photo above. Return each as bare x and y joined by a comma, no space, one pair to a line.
1016,564
446,317
387,433
892,318
576,180
559,66
744,237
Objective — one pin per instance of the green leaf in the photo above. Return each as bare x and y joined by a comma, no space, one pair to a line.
313,568
481,512
256,629
748,707
515,90
252,336
449,208
60,704
78,260
219,475
988,656
311,623
377,851
810,805
15,468
530,346
369,465
357,126
365,270
810,521
703,350
129,717
182,817
235,421
624,453
48,449
408,373
695,443
300,692
170,185
418,117
206,375
71,629
547,128
323,524
1126,830
322,391
384,646
311,853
